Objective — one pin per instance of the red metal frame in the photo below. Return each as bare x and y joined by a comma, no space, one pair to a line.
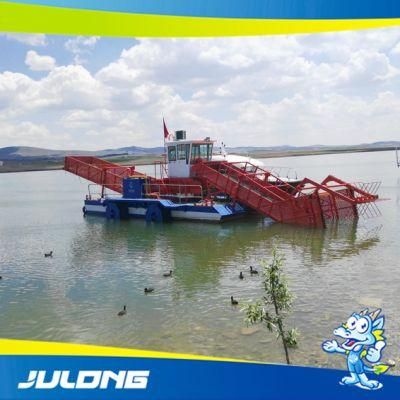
110,176
99,171
309,203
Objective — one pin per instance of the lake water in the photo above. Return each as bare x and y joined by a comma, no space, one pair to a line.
99,265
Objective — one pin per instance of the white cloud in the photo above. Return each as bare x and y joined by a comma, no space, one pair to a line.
81,46
28,39
24,133
64,88
199,94
330,119
36,62
71,87
396,49
336,88
367,66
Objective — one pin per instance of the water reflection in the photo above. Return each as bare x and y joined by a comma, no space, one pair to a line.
100,265
202,250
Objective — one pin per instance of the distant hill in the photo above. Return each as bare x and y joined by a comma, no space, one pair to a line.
19,152
35,153
316,147
134,150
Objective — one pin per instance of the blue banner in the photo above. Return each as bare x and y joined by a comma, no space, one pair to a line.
265,9
96,377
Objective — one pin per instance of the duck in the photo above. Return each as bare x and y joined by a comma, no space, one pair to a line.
122,312
1,278
148,290
253,271
167,274
241,275
50,254
234,302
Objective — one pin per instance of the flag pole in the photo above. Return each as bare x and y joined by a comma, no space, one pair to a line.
164,132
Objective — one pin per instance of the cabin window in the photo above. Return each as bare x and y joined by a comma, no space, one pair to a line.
187,151
203,151
171,153
181,152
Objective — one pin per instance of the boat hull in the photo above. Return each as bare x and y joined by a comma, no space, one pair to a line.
158,210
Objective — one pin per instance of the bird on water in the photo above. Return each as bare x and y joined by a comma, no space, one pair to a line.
253,271
122,312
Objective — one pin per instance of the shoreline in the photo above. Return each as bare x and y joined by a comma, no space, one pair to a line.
33,166
301,153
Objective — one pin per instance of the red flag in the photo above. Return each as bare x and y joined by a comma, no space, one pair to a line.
166,133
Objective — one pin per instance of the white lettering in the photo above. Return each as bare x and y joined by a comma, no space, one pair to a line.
64,381
30,382
136,379
86,380
40,381
118,378
95,377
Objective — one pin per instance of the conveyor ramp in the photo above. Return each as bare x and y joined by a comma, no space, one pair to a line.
307,203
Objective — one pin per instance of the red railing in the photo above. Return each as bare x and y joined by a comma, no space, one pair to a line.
99,171
309,203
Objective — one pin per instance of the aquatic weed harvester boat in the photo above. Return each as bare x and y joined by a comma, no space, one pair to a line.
196,184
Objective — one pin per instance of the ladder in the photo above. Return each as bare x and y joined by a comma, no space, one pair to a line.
308,203
99,171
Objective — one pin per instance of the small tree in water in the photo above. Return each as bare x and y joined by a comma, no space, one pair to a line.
278,298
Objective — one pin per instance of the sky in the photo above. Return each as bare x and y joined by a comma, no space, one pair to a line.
74,92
